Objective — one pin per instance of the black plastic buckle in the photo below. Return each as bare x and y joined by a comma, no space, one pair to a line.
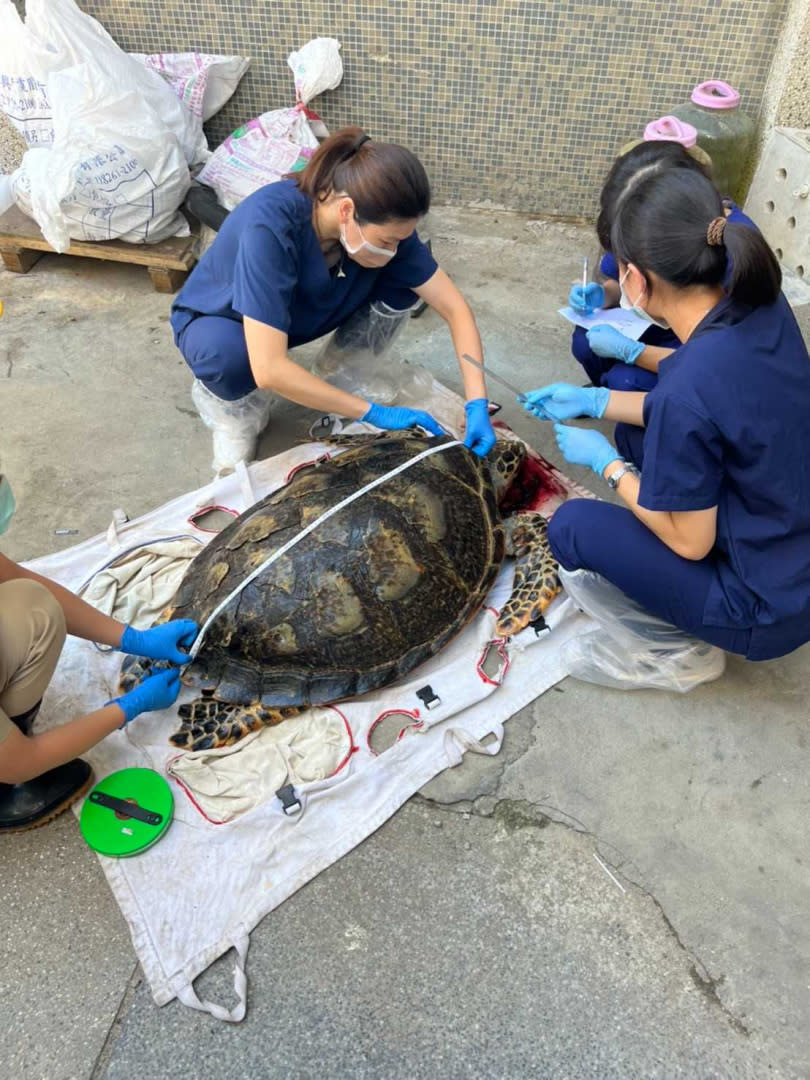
290,803
428,698
538,625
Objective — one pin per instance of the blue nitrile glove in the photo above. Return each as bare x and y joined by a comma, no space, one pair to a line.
580,446
396,418
607,341
157,692
562,401
480,438
586,300
161,642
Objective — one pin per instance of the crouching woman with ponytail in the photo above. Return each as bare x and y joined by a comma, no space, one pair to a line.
298,259
713,463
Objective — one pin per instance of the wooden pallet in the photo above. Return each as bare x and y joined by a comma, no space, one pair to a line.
168,263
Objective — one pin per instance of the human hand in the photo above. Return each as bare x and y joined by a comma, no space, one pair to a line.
581,446
155,693
396,418
161,642
607,341
586,301
480,438
562,401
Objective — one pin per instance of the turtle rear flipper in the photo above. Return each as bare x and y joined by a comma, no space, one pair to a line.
536,573
208,723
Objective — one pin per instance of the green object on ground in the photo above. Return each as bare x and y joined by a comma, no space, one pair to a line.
126,812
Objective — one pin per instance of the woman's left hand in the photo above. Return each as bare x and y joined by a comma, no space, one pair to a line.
562,401
161,642
480,436
579,446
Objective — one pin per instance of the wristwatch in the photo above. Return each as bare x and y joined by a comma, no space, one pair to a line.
625,468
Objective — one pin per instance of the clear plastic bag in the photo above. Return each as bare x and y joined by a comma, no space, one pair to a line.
631,649
357,358
235,425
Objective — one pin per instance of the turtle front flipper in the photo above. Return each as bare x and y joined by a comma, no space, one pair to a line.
208,723
134,669
536,573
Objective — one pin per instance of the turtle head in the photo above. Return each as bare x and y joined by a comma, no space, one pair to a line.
505,461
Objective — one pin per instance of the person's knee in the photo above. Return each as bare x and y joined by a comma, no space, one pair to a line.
29,609
580,347
564,527
621,377
216,351
627,377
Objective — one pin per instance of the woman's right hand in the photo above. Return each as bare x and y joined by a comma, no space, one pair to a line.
586,301
397,418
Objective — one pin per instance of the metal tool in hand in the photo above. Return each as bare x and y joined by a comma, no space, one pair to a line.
494,375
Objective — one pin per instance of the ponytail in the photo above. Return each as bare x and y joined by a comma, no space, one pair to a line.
673,226
756,276
385,181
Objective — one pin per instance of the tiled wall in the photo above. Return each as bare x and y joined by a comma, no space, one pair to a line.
518,102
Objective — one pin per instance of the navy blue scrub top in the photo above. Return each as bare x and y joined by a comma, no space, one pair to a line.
266,263
728,425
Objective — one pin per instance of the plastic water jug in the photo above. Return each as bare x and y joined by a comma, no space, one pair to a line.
724,131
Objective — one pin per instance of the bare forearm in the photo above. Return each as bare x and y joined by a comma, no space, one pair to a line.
289,380
652,357
626,407
82,620
690,534
467,341
447,301
26,757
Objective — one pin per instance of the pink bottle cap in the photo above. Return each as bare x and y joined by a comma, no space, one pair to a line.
670,129
715,94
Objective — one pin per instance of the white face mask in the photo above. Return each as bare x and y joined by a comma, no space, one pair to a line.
8,504
628,306
375,256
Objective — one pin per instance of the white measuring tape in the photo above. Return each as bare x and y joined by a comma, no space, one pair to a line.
195,648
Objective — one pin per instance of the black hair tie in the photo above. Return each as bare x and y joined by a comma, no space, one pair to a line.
358,142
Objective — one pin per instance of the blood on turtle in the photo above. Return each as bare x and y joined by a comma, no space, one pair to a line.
367,596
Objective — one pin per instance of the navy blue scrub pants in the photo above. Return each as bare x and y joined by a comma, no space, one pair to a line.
215,348
587,535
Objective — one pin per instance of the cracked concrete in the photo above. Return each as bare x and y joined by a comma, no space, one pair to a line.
476,934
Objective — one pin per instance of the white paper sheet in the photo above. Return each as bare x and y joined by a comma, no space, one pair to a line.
626,322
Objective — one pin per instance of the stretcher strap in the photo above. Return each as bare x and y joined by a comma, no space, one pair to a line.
195,648
188,996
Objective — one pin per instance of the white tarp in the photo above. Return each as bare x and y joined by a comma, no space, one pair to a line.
204,886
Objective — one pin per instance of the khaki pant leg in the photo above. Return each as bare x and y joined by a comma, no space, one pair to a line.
32,633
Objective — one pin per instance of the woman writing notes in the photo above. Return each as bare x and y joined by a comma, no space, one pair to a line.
295,261
715,536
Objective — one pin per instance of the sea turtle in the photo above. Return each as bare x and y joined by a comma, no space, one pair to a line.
370,593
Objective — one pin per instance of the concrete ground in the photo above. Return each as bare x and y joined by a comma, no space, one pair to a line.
474,935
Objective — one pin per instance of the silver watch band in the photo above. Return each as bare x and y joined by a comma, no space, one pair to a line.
625,468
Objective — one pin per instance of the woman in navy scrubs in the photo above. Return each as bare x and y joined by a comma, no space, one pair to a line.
609,357
293,262
716,535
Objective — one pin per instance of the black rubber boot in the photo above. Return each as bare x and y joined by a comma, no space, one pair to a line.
37,801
